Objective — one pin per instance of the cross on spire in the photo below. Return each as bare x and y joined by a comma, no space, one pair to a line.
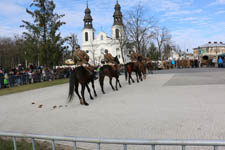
87,3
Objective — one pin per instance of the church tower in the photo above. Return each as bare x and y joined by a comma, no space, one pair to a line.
88,32
118,27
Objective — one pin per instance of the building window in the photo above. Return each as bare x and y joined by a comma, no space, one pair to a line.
102,37
86,36
93,35
117,34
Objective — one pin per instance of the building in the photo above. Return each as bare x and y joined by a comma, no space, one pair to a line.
95,45
210,49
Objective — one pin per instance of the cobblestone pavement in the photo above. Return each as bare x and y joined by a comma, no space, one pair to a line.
177,104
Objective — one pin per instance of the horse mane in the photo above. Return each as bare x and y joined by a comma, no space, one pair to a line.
116,60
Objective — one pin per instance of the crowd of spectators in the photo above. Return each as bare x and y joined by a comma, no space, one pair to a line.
21,76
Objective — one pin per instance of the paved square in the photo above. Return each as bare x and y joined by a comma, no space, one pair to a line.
154,109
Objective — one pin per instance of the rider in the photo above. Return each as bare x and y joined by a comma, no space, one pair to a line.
109,59
133,56
81,58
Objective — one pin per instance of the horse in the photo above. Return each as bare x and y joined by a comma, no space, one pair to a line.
142,66
133,67
149,67
111,72
81,76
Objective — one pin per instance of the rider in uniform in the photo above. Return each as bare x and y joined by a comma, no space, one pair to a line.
81,58
109,59
133,56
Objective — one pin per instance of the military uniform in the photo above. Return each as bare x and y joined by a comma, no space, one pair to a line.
81,57
109,58
134,57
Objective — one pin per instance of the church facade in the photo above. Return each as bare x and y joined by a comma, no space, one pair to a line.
96,45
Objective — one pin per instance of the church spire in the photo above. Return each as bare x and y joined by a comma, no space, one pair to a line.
87,18
118,17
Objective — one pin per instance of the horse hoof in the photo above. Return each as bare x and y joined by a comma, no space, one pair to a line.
86,104
95,95
91,98
116,89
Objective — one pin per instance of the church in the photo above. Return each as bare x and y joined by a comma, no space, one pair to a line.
96,45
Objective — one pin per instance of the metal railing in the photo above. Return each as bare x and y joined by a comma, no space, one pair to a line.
100,141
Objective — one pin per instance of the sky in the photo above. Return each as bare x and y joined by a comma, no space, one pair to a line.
191,22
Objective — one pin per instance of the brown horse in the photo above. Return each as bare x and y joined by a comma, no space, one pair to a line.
81,76
111,72
149,67
142,65
133,67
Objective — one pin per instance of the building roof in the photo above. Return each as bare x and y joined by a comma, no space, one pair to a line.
215,44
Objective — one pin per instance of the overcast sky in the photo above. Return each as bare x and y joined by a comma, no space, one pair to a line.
191,22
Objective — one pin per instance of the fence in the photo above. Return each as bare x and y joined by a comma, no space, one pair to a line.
98,141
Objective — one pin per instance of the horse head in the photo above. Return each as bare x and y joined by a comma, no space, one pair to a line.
139,58
116,60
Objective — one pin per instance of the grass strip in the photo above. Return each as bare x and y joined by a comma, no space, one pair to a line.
29,87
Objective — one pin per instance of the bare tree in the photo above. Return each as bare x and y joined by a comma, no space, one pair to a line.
72,40
162,36
139,28
93,52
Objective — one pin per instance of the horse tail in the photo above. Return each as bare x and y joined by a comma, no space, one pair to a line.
125,71
71,86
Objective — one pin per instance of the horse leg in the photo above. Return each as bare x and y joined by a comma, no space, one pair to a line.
116,84
110,82
76,90
130,78
119,82
82,93
101,81
140,75
93,87
89,91
137,77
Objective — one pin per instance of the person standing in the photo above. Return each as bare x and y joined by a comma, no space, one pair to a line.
220,61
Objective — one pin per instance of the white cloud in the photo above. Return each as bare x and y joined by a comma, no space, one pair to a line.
8,8
217,2
182,12
220,12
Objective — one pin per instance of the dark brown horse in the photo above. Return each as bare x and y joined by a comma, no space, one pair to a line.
81,76
133,67
111,72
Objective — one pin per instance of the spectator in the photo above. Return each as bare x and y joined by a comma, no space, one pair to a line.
6,81
220,61
1,79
